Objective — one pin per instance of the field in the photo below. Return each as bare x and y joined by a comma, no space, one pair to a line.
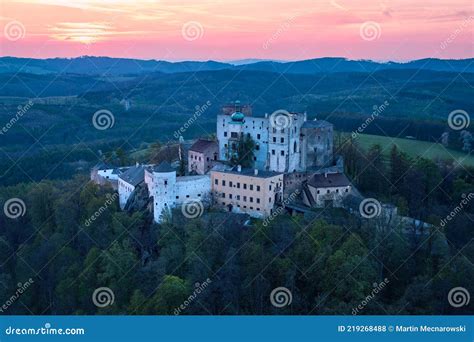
415,148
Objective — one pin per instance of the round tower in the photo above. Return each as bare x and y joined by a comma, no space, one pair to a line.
164,185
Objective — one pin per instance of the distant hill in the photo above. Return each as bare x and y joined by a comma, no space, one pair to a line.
88,65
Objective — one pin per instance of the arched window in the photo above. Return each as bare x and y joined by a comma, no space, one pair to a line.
294,147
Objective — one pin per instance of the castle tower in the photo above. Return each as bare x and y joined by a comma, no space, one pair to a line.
164,181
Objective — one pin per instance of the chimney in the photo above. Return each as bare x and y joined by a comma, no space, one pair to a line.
255,172
239,168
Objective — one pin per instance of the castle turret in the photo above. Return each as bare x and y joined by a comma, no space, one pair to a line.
164,181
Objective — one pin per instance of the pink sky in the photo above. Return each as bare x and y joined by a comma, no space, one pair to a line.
237,29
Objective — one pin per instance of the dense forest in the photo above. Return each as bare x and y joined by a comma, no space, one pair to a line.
329,259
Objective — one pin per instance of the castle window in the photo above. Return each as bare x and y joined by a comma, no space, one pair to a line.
273,152
274,139
225,134
258,209
251,186
257,147
347,190
216,182
258,200
328,191
223,182
337,190
187,196
251,208
294,147
270,187
282,152
177,197
223,195
238,197
258,187
258,136
233,135
166,182
245,198
245,186
318,192
282,140
230,184
230,196
269,200
283,130
238,185
251,199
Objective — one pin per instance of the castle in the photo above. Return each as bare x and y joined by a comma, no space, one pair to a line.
290,153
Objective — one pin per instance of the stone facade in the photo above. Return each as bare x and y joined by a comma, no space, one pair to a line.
285,142
249,191
202,156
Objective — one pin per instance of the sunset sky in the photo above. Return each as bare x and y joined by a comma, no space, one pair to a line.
237,29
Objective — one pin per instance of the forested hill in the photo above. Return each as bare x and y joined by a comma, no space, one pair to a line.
90,65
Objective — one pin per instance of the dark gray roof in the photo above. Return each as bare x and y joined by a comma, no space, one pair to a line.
202,145
316,124
251,173
134,175
329,180
163,167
